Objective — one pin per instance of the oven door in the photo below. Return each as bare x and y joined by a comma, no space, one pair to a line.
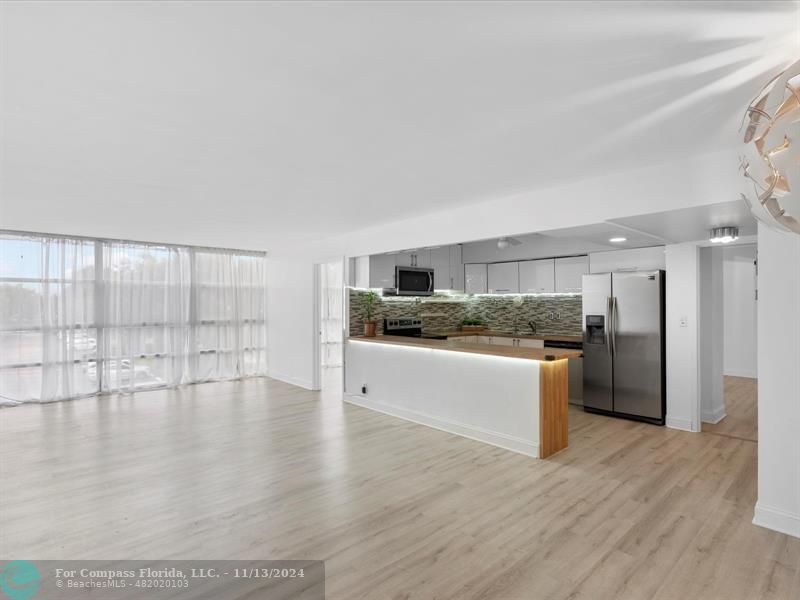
414,281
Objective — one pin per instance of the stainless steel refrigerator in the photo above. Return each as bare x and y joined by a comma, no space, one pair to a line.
624,350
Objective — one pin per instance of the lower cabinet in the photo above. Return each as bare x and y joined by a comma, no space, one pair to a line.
526,343
576,381
463,339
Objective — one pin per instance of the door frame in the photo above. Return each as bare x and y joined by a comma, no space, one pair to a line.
316,330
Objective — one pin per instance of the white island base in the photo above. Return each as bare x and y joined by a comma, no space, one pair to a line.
515,403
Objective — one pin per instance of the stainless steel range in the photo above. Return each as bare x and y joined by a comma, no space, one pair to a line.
408,327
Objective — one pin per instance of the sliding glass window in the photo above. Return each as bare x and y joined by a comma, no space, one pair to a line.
81,316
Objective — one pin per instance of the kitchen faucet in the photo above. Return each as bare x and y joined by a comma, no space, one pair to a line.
532,325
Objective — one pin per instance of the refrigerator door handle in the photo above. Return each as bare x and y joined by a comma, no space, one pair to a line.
609,326
614,326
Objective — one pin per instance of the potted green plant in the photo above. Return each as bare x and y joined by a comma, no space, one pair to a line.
369,306
472,325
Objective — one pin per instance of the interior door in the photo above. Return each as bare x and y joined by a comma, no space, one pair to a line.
637,344
598,390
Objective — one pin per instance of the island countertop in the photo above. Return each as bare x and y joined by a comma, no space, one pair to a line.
539,354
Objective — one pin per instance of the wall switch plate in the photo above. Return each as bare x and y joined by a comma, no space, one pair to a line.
684,322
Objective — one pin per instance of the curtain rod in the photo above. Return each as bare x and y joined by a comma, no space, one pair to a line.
124,241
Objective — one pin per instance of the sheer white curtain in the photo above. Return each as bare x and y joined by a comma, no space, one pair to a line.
68,329
230,315
82,316
146,317
332,288
47,342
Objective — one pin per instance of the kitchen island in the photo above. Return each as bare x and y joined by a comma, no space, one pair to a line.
509,396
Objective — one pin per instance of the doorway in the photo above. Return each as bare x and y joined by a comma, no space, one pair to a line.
729,342
331,327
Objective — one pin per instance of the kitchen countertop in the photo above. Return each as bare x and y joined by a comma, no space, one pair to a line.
524,336
539,354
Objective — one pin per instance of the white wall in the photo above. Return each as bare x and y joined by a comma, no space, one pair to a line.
683,310
712,337
637,259
740,311
290,321
778,504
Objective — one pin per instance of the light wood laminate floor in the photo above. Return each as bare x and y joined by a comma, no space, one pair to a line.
741,409
261,469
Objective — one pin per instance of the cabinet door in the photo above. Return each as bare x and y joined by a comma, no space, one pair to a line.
456,268
503,341
570,272
381,271
422,258
464,339
537,276
485,339
525,343
475,278
503,278
406,258
440,262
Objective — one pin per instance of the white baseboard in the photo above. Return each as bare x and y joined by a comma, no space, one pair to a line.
494,438
714,416
303,383
777,519
736,373
682,424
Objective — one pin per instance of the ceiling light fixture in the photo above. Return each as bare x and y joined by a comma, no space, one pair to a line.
505,242
617,240
772,141
724,235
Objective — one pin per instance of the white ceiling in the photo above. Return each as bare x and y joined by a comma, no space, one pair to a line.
249,124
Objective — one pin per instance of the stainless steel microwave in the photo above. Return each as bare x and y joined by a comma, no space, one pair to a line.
413,281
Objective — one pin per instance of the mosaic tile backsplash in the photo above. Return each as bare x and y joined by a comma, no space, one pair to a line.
553,315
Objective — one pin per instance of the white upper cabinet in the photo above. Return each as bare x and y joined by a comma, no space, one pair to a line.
414,258
405,258
381,270
537,276
570,272
422,258
448,270
475,278
456,268
503,278
440,263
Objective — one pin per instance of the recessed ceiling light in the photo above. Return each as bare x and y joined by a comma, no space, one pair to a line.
723,235
617,240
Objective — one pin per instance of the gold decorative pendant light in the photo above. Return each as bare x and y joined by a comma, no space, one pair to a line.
772,141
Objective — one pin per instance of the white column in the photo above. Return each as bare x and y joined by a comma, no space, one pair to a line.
683,315
778,505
